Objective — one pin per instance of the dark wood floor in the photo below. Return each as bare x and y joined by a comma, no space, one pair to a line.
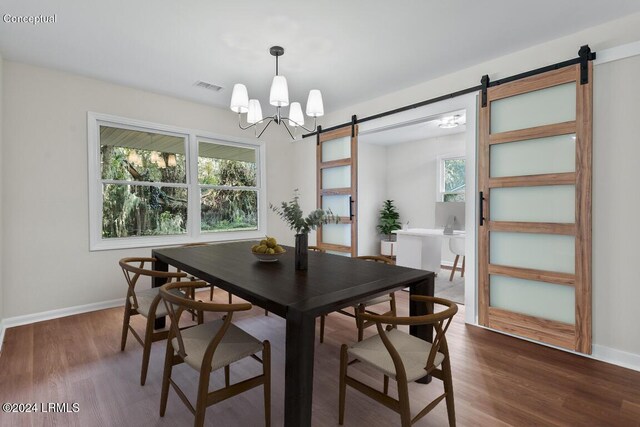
498,380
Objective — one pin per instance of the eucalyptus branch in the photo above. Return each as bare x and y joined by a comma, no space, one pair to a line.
292,214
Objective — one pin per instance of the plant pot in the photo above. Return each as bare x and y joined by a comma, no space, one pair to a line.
388,247
302,251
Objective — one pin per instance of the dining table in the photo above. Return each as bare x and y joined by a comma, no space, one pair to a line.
330,282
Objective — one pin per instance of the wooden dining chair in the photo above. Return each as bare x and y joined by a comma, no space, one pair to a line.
211,285
364,306
209,347
145,303
405,358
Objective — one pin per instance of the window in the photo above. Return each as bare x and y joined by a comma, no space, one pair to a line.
451,182
153,185
228,187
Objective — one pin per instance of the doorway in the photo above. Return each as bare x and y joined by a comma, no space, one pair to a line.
424,160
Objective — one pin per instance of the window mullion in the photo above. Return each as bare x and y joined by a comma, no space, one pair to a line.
194,189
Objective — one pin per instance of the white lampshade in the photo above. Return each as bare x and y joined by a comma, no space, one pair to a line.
296,118
254,115
314,104
279,96
239,99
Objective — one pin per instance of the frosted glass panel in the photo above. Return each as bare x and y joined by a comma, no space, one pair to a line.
339,177
540,299
346,254
339,205
337,234
548,252
552,203
555,154
334,149
555,104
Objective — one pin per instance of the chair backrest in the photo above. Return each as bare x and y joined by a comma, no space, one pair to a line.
440,321
456,245
316,249
133,269
176,303
377,258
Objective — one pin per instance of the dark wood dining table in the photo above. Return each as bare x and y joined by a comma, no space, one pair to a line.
331,282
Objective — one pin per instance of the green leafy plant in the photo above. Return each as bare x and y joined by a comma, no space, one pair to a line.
291,213
389,219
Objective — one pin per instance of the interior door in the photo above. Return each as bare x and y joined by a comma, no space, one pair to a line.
534,166
337,189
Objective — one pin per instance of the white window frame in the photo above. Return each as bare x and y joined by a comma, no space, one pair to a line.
193,234
440,181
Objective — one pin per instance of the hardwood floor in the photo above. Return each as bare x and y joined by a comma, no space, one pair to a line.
498,380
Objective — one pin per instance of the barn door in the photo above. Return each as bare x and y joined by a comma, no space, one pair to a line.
535,186
337,189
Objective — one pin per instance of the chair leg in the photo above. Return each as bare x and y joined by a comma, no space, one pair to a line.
360,322
386,385
146,352
266,371
266,312
322,318
230,297
343,383
227,375
166,376
392,304
453,270
448,389
192,295
203,391
211,293
462,271
403,398
125,324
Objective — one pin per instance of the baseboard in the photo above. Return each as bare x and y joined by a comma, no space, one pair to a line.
27,319
616,357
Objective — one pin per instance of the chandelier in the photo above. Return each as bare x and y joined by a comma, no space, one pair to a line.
278,97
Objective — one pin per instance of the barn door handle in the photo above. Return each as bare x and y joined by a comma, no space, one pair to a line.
481,209
350,207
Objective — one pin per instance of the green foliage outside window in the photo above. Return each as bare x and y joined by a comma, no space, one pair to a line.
142,210
454,180
228,188
227,209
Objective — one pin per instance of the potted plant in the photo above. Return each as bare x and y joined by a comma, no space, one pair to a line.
389,221
292,214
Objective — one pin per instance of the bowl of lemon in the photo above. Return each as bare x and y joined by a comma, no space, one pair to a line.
268,250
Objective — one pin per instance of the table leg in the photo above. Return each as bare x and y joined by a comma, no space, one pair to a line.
298,389
158,265
425,332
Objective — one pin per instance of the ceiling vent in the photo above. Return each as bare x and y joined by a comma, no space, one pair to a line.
208,86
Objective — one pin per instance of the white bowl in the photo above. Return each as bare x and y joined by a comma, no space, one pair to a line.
268,257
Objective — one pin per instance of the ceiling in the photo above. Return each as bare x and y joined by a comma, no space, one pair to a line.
351,50
414,131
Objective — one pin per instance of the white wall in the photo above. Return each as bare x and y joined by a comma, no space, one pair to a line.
1,199
616,205
412,176
47,263
412,180
372,192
